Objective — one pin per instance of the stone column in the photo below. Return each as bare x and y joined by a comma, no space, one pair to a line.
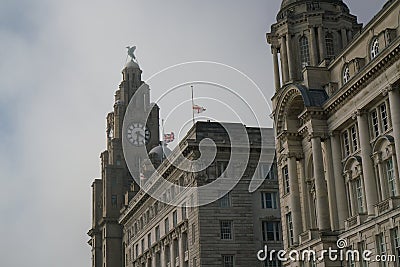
290,56
172,252
276,69
154,260
340,186
333,212
344,37
294,198
367,167
284,58
314,51
394,101
321,42
320,185
163,258
181,252
304,189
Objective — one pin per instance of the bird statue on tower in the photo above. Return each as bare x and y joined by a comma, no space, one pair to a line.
131,52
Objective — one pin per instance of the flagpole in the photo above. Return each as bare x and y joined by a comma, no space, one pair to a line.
192,105
163,139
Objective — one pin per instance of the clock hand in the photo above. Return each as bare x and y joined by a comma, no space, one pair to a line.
140,134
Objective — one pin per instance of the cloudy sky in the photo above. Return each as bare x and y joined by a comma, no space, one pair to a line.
60,64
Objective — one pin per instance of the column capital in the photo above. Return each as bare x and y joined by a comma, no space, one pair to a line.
294,154
358,113
334,133
320,135
386,90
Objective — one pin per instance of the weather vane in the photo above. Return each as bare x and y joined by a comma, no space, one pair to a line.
131,52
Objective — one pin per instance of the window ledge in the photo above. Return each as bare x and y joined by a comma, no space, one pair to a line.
387,205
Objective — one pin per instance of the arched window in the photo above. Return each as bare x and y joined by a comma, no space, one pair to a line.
385,167
374,48
346,74
330,51
304,52
354,186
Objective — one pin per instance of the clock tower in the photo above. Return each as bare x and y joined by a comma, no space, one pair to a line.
117,184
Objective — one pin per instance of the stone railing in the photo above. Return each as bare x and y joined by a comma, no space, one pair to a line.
387,205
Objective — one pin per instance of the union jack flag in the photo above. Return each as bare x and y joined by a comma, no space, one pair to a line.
169,137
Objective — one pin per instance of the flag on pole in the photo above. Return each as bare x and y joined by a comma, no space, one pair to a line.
198,109
169,137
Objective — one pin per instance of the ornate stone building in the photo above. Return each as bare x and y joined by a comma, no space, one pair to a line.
116,186
227,232
131,228
336,114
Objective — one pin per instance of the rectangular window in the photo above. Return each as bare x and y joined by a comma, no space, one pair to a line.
263,171
269,200
351,261
183,209
274,262
149,240
221,166
226,230
225,201
166,226
193,233
396,242
384,117
360,196
168,255
228,261
289,226
158,259
375,124
270,231
142,243
137,250
354,139
361,248
285,174
381,246
346,144
157,233
114,203
390,178
174,219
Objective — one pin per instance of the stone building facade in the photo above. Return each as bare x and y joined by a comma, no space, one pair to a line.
336,114
225,232
131,228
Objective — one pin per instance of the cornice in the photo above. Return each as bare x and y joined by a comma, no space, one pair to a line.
347,92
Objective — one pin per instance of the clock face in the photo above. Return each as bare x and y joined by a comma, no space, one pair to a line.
138,134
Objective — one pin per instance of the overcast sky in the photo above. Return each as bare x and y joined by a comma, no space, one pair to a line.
60,64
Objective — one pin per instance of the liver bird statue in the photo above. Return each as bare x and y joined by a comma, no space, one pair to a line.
131,52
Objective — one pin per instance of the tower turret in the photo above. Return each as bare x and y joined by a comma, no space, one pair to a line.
309,33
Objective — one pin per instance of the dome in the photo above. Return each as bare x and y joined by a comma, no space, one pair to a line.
132,65
159,153
286,3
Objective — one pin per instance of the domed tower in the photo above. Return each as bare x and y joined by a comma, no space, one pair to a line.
308,33
307,36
